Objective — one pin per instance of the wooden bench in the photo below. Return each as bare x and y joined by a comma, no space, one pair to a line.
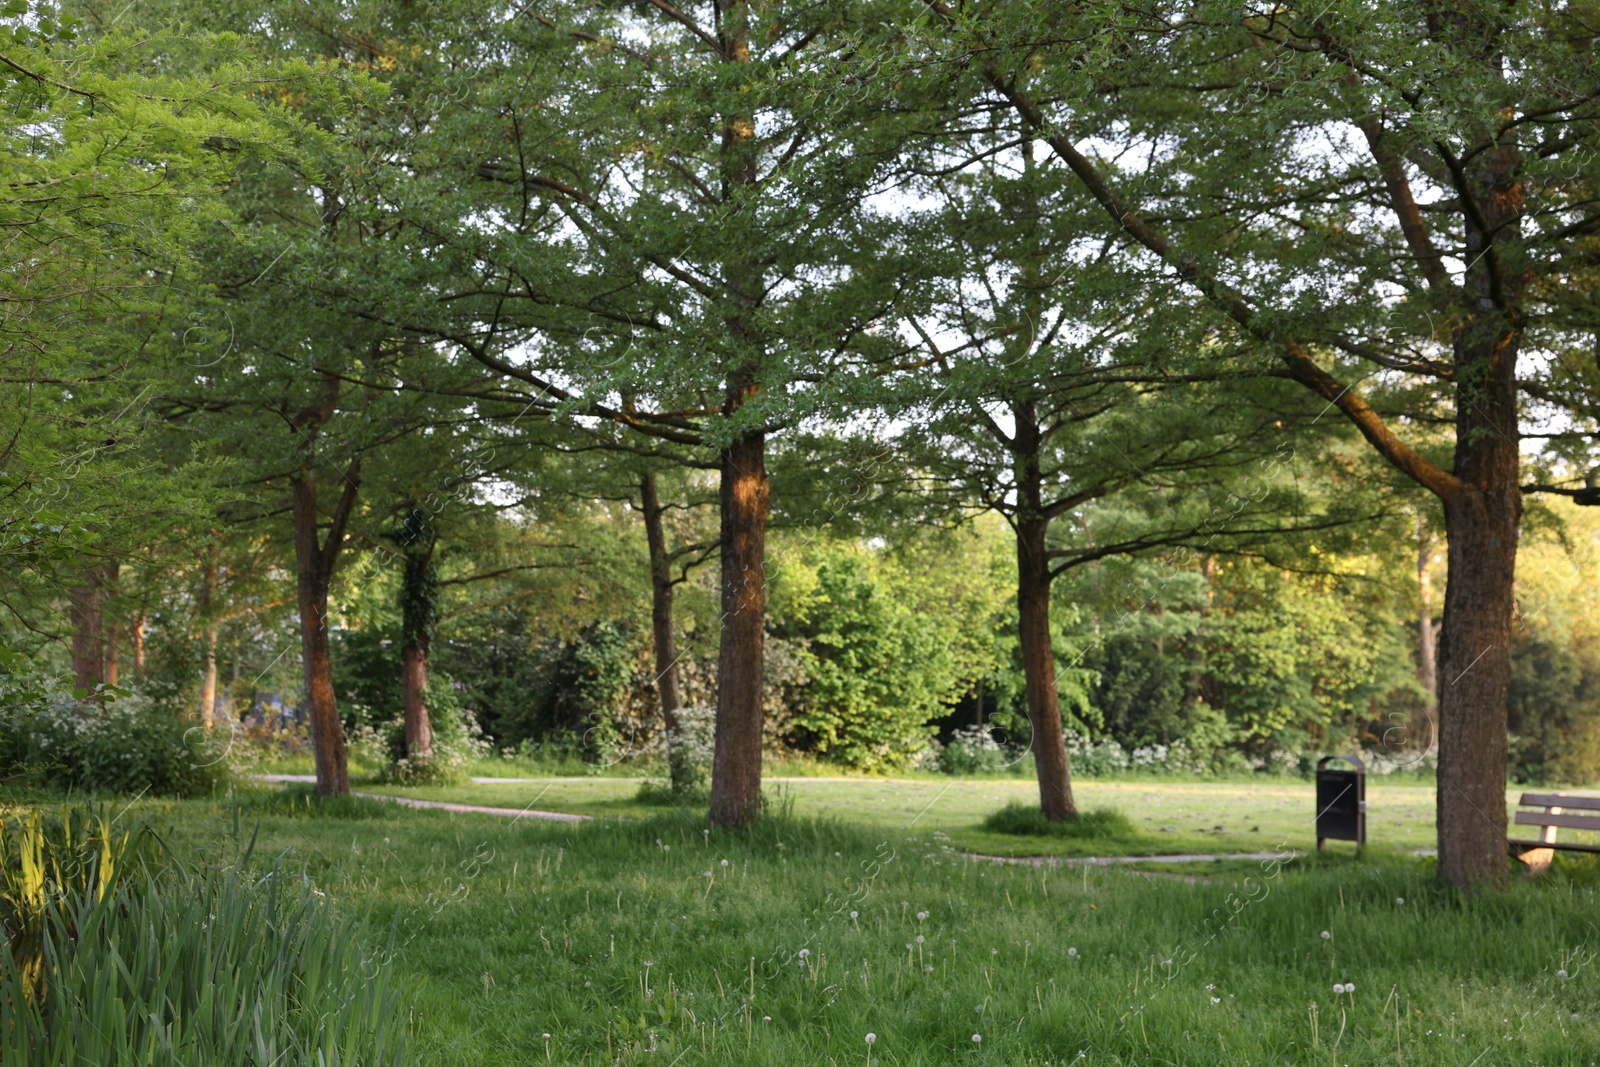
1560,810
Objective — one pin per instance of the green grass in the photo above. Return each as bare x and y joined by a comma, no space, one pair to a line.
618,937
1105,824
1169,817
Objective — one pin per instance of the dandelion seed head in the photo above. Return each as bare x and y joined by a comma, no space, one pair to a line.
871,1038
977,1039
1325,935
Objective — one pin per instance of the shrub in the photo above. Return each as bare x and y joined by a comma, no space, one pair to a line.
129,744
697,727
118,962
1030,822
457,741
1096,759
973,750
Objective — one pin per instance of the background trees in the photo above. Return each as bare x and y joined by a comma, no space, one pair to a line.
444,354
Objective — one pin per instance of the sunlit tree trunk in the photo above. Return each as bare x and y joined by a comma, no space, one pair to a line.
736,766
315,560
208,634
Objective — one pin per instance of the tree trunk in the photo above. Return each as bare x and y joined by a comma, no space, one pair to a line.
113,665
419,615
414,677
314,563
736,767
1427,653
1033,618
1039,672
1482,524
208,636
88,629
138,644
666,644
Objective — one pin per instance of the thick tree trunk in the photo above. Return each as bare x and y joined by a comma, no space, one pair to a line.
666,643
1039,672
138,644
1474,674
736,767
1482,524
88,629
315,566
414,679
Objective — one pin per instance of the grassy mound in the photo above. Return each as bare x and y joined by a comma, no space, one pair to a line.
1024,821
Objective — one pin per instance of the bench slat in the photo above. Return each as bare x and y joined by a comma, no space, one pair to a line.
1560,800
1574,822
1517,848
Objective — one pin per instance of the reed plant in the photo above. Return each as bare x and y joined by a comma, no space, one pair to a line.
118,952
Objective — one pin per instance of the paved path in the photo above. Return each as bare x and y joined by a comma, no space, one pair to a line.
511,813
597,778
1107,861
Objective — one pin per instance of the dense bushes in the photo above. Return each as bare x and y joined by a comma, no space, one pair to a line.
457,741
125,744
111,960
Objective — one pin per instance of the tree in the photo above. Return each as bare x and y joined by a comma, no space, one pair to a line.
677,269
118,149
1076,398
1462,204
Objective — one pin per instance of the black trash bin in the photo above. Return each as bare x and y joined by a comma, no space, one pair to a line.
1341,801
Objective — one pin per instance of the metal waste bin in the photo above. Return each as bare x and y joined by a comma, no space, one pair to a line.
1341,801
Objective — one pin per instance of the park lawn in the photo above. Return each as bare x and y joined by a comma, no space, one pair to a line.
789,944
1170,817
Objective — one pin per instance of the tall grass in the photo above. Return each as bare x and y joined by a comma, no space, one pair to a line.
667,941
114,957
